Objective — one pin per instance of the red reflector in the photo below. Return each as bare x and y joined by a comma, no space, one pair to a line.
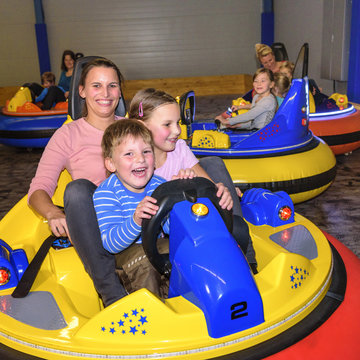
285,213
303,121
285,236
341,107
4,276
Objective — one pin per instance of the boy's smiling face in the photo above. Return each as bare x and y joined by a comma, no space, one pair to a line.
133,162
48,83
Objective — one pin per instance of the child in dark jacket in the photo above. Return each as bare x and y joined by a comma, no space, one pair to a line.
51,94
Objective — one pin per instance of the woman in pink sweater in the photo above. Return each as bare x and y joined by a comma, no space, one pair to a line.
77,148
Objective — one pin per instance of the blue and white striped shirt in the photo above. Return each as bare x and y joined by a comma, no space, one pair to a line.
115,206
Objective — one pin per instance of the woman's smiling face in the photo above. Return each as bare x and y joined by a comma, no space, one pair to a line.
69,62
101,91
268,62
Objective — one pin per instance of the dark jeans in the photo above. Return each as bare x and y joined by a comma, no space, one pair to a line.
216,169
85,236
53,96
35,89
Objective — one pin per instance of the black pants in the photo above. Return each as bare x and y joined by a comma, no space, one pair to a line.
54,95
35,89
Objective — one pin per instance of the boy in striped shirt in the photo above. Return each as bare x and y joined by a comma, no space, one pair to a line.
124,199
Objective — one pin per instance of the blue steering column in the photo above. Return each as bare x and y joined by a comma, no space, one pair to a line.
207,266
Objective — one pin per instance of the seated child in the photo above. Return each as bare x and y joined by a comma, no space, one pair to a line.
263,106
281,87
124,199
322,102
287,68
51,93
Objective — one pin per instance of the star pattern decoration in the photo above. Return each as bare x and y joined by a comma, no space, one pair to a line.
132,323
269,132
298,276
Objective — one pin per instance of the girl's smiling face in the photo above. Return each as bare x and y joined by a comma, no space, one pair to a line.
262,84
164,126
101,91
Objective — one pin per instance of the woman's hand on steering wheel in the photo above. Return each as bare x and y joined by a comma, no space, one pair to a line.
57,223
226,201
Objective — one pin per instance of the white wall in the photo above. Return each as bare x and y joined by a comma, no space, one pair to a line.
300,21
19,59
145,38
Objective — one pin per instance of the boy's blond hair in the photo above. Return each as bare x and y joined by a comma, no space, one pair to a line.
48,76
117,132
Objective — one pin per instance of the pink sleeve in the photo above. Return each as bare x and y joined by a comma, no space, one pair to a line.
188,159
181,158
52,162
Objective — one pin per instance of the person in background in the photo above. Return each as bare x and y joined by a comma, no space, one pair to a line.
67,67
266,57
281,87
51,93
287,68
263,106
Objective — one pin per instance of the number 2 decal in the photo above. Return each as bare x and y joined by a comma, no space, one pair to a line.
238,310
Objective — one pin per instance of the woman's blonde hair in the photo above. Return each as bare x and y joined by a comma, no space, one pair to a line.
262,50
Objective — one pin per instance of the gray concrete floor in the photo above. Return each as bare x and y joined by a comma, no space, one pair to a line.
336,211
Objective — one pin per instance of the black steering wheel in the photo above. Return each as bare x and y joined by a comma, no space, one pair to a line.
167,195
187,107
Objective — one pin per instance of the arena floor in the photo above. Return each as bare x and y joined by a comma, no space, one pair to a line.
337,210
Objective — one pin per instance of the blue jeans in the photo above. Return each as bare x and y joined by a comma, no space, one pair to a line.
85,236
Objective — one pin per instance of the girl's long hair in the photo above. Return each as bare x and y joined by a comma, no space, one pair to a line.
146,101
